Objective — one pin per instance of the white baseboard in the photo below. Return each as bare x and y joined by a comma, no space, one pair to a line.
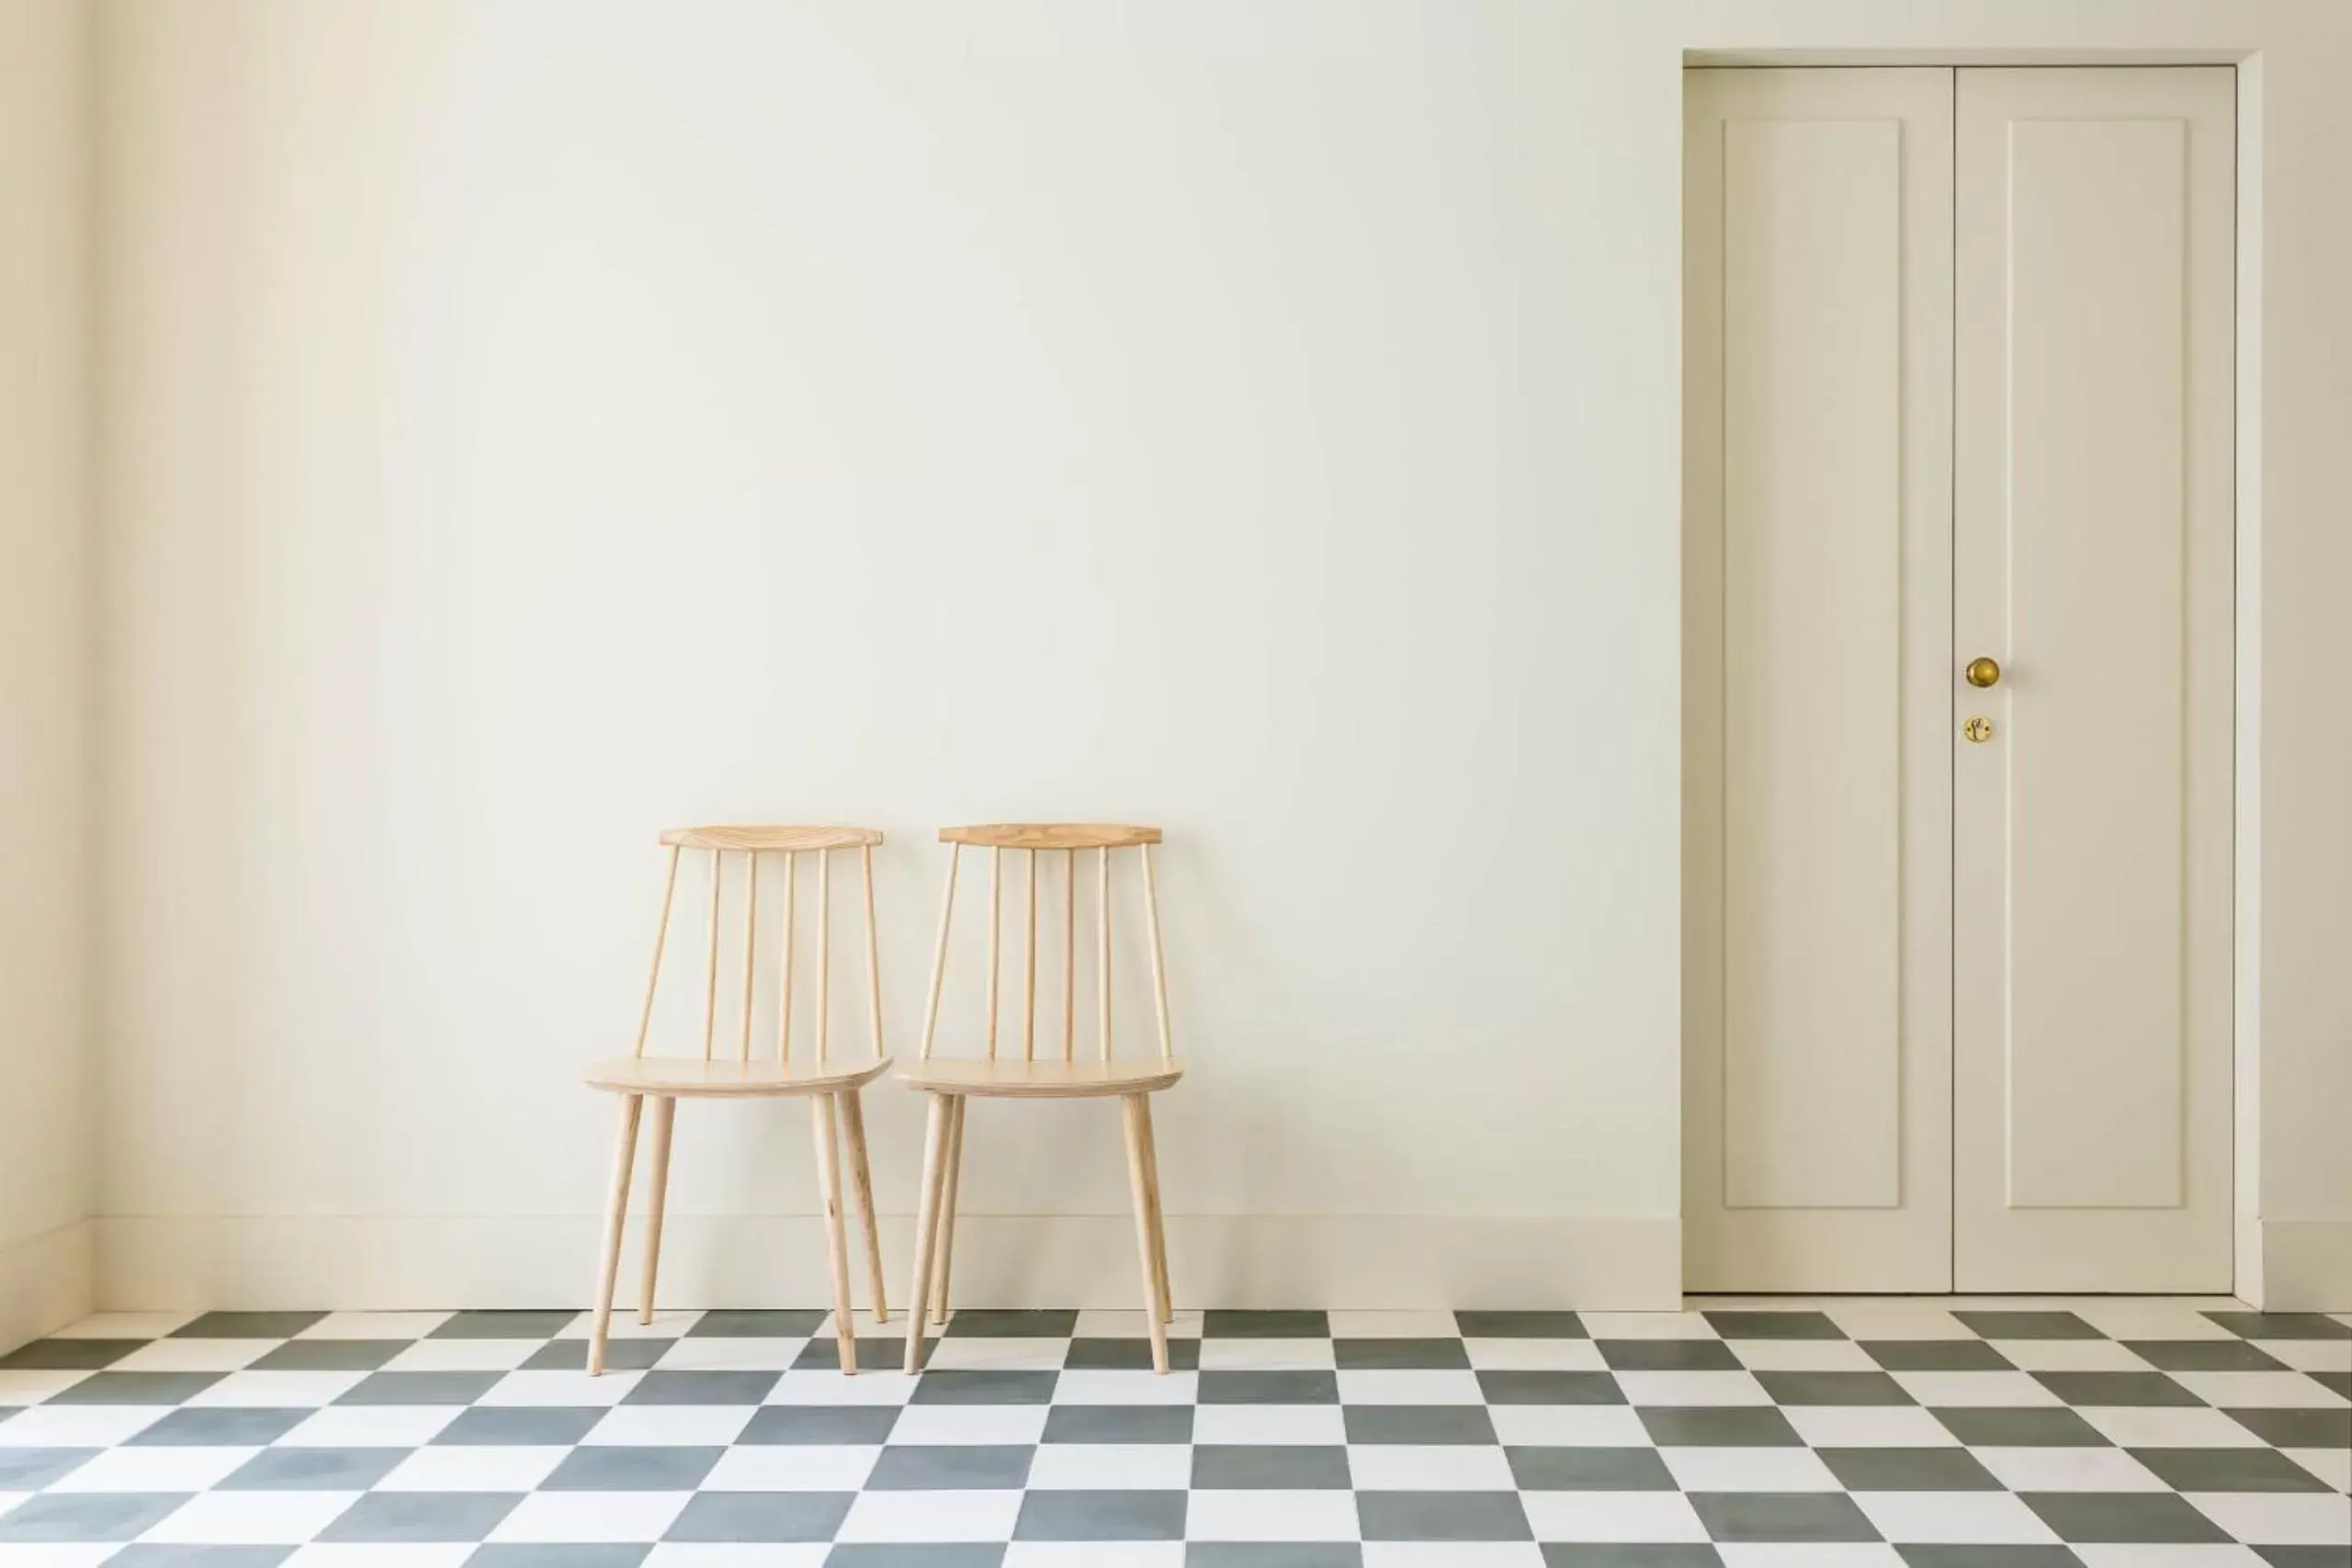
392,1262
2307,1264
45,1282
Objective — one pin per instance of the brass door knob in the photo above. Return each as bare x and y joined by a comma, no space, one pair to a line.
1984,673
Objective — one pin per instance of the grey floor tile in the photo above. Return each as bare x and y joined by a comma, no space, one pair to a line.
173,1555
958,1555
329,1356
2203,1355
2300,1556
503,1325
2028,1326
2298,1428
759,1326
1119,1424
87,1515
520,1426
1519,1324
2229,1470
830,1424
422,1517
985,1388
1720,1426
1430,1424
2337,1384
29,1470
220,1426
1936,1356
2097,1389
1280,1467
1266,1324
1590,1470
2139,1519
1630,1555
760,1517
1668,1356
314,1470
886,1354
2282,1324
1805,1516
247,1326
1550,1387
136,1387
620,1469
1101,1516
620,1355
1273,1554
67,1355
1774,1325
951,1467
1431,1354
1918,1556
1833,1388
420,1388
1269,1388
1442,1516
969,1323
1129,1354
701,1388
2032,1427
1908,1469
517,1555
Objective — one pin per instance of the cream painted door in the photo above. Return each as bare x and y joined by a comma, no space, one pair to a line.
1817,709
2092,560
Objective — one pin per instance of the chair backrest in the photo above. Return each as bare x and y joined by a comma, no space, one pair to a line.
1061,842
752,843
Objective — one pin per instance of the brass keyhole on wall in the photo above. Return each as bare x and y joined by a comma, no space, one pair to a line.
1979,728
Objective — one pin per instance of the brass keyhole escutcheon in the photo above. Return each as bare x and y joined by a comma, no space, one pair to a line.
1978,730
1983,672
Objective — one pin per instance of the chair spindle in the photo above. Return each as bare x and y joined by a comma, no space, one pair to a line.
661,938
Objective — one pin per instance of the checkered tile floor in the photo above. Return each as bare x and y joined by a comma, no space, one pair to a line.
2121,1432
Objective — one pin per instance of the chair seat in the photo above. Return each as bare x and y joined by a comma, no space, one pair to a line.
1040,1080
690,1077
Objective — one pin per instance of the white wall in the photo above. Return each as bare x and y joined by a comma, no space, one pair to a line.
530,424
46,1135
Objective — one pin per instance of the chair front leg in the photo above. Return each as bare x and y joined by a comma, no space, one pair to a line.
950,1202
657,1199
828,1181
852,1110
1137,1117
1159,1213
934,1169
608,1264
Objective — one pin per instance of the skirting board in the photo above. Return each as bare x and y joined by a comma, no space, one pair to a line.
2307,1264
392,1262
45,1282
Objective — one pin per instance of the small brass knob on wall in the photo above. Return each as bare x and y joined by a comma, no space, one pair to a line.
1984,673
1978,730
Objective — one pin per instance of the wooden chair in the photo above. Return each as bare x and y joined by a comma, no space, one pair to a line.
832,1086
999,1076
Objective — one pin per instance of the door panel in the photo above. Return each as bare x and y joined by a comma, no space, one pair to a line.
1817,943
2092,554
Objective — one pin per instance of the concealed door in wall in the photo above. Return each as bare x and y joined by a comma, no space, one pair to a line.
2093,562
1817,384
1958,370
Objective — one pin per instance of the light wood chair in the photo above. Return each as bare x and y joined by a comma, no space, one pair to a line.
1063,1075
829,1084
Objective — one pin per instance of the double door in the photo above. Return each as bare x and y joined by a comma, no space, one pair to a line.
1958,513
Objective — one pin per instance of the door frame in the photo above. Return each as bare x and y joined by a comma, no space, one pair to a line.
2245,871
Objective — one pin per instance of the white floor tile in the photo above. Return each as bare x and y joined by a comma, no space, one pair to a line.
723,1355
2277,1518
793,1467
1015,1355
873,1385
1111,1467
1665,1389
161,1468
1126,1388
1955,1518
2068,1470
251,1518
1645,1325
125,1325
665,1325
58,1554
2332,1466
1569,1425
1613,1516
1409,1388
2069,1356
1266,1356
2166,1426
376,1325
31,1385
77,1425
2261,1391
1810,1554
561,1517
473,1467
1749,1469
382,1554
275,1391
1110,1324
1269,1424
1802,1356
1869,1426
931,1517
2214,1556
567,1388
1955,1391
464,1355
1414,1467
1534,1355
2311,1355
1393,1326
2128,1317
865,1324
670,1426
369,1427
970,1424
1272,1515
1898,1320
194,1356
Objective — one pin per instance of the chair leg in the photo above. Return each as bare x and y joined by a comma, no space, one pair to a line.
1159,1214
852,1104
934,1167
828,1179
950,1201
1137,1117
608,1264
666,1110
